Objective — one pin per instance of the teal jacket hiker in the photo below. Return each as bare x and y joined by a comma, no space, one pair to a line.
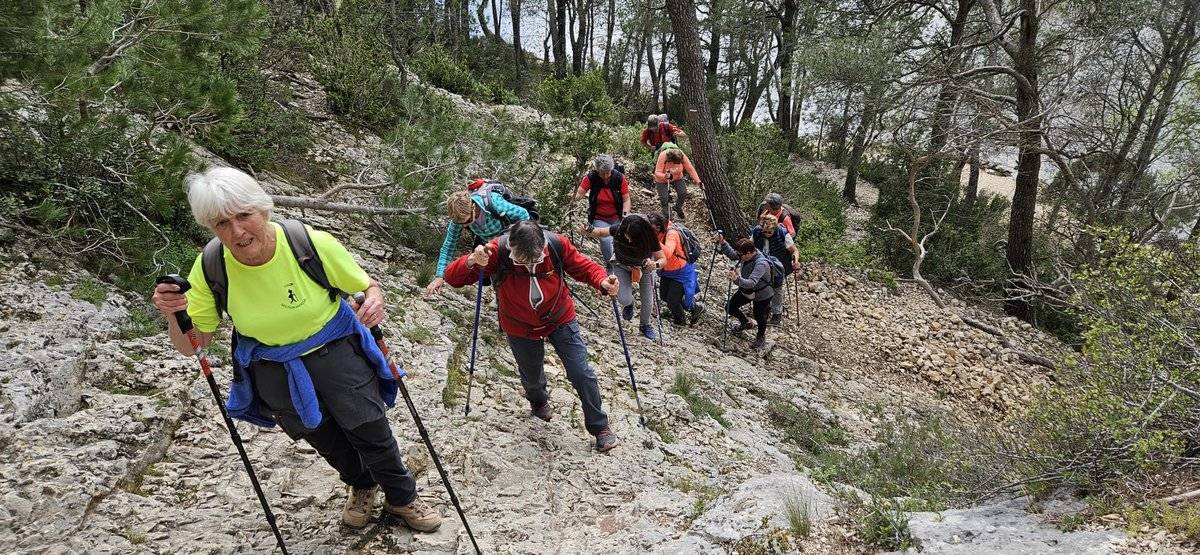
486,227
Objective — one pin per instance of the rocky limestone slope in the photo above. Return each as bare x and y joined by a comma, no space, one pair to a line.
111,442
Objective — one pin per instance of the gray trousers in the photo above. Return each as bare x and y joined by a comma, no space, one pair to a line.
664,196
606,243
354,436
777,299
625,292
568,343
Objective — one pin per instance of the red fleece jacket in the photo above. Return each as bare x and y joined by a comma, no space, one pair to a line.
517,316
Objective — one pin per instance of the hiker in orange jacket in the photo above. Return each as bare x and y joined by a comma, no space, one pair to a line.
669,172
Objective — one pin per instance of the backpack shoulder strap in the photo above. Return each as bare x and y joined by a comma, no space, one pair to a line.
554,241
306,254
212,263
504,262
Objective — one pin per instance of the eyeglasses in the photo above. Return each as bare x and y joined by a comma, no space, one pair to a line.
512,256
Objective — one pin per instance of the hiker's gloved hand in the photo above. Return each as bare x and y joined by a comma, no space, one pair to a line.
168,300
371,311
480,256
611,285
434,286
718,239
732,275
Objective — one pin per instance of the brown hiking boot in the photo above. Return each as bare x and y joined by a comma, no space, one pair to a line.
359,507
418,515
605,440
543,412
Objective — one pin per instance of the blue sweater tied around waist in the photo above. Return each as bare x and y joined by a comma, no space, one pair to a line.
689,278
243,403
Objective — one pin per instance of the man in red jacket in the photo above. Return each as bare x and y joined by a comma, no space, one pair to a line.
536,306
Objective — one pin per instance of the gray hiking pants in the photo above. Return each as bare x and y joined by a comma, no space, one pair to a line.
625,292
664,196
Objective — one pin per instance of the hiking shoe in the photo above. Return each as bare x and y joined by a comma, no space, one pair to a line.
606,440
648,331
418,515
776,320
543,412
627,312
682,216
759,343
697,312
747,325
359,507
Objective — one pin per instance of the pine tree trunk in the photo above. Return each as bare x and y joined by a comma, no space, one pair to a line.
720,195
558,35
514,7
610,19
972,191
654,82
1019,250
714,56
870,110
787,43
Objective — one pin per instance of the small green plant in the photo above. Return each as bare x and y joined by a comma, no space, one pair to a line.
142,322
1071,522
705,495
418,334
55,281
135,538
662,430
91,291
686,387
884,524
798,510
804,428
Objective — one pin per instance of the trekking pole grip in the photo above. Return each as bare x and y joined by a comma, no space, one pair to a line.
376,331
181,317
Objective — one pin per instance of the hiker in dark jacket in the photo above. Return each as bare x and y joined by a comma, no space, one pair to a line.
535,306
770,237
679,281
752,278
608,199
637,252
303,359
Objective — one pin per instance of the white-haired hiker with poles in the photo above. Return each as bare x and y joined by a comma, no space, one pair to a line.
528,268
303,357
607,191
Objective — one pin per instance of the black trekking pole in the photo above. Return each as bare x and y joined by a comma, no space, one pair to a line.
725,325
628,362
377,333
474,340
711,263
657,307
185,326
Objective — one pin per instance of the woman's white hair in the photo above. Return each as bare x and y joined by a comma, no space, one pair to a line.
221,192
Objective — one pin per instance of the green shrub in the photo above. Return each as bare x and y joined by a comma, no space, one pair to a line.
584,97
1120,414
884,524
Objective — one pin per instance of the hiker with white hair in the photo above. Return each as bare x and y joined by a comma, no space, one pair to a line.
607,191
303,358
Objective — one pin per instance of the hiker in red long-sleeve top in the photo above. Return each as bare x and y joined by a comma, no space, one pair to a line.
525,266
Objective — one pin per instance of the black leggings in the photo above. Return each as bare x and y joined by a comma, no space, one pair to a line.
762,310
671,292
